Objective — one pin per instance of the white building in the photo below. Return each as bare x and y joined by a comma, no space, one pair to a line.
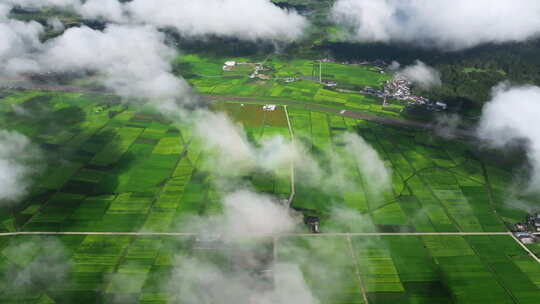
525,238
269,107
229,65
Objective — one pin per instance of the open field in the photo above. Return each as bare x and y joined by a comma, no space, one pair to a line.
117,168
388,269
207,77
436,185
128,169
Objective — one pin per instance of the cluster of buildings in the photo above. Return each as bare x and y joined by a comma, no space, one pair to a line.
257,73
400,89
525,231
397,88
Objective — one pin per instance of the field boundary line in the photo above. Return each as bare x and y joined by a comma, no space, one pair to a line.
293,187
357,270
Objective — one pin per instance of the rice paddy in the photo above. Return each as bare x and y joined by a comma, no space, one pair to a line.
387,269
128,169
437,186
119,168
207,77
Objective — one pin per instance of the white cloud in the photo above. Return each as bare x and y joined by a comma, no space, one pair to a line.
132,61
229,141
446,126
248,213
39,265
376,175
421,74
56,24
18,39
202,281
5,9
511,116
17,165
244,19
42,3
110,10
448,25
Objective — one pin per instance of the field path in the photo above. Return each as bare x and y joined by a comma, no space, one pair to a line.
357,269
293,188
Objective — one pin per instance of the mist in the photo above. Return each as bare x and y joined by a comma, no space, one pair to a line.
375,174
107,10
242,235
36,265
511,118
446,25
18,38
421,75
446,125
228,141
242,19
18,163
132,58
201,281
133,61
56,24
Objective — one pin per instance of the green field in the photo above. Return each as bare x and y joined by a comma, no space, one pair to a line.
123,169
390,269
437,186
128,169
205,74
119,168
228,202
419,269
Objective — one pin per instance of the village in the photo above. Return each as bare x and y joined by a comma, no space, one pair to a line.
525,232
398,88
